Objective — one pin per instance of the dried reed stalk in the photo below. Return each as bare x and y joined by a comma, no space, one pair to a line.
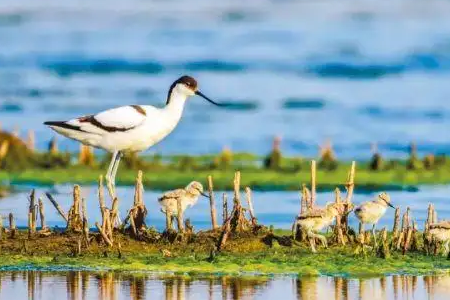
32,213
132,224
396,228
350,182
104,236
350,185
338,227
237,217
85,221
57,207
253,219
224,236
1,227
42,214
313,184
224,208
406,246
12,225
305,199
212,204
236,188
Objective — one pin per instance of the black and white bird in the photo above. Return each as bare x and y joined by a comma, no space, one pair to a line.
131,128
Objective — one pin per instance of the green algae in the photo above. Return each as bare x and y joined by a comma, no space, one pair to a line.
249,255
166,178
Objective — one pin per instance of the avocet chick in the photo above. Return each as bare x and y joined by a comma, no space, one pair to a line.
188,197
370,212
441,232
317,219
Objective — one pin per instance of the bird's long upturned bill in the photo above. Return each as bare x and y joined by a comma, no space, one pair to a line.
198,93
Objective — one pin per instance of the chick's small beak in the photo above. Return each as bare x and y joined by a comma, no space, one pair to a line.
205,195
391,205
198,93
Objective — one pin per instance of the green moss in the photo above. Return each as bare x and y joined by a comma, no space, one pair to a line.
166,178
240,256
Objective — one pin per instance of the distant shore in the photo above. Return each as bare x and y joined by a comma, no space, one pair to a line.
164,178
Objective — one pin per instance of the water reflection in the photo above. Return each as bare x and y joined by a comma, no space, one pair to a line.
109,285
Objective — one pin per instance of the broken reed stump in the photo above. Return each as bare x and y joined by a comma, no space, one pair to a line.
395,229
85,222
32,213
338,233
350,185
138,212
402,240
305,199
383,249
12,225
248,193
57,207
212,204
224,208
42,214
75,220
238,221
429,242
104,235
313,184
1,227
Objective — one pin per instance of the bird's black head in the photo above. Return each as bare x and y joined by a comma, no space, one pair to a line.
189,87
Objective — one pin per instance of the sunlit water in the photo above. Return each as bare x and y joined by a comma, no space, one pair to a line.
272,208
353,71
84,285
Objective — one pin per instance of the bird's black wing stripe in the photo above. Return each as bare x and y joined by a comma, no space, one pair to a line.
62,125
91,119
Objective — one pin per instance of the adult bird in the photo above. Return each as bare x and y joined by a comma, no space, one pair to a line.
187,196
371,211
131,128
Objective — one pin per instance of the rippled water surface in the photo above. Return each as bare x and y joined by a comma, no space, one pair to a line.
353,71
85,285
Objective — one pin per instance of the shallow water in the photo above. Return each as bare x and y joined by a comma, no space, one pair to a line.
85,285
272,208
353,71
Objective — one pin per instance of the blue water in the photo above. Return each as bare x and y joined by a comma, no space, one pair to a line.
109,285
352,71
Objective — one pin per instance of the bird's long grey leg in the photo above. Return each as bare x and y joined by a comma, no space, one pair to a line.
312,242
374,235
446,247
322,239
114,170
108,176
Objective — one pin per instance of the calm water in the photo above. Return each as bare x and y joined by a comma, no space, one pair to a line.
271,208
84,285
353,71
